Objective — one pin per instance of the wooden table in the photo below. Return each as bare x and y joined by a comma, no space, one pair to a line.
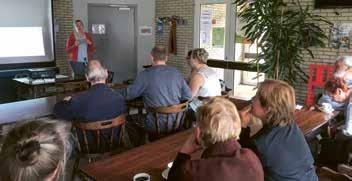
311,120
151,158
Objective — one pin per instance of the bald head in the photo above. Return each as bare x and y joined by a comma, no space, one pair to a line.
94,63
96,73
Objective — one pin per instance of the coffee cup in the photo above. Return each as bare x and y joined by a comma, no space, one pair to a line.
141,177
169,165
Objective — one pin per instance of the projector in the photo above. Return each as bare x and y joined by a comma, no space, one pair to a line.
42,73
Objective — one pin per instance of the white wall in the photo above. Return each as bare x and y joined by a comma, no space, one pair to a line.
145,17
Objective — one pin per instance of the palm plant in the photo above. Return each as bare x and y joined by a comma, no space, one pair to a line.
283,31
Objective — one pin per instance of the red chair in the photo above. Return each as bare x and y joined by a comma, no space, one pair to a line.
318,75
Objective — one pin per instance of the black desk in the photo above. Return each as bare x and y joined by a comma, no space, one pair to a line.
30,89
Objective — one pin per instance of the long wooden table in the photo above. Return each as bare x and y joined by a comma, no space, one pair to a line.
152,158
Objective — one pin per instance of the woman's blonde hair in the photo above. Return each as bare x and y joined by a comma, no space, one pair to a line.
218,121
199,54
35,150
279,98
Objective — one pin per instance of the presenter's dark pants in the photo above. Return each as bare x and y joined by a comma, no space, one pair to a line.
78,68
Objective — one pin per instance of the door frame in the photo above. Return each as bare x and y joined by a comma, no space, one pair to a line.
230,32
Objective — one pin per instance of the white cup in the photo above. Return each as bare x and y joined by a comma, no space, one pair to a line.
141,177
169,165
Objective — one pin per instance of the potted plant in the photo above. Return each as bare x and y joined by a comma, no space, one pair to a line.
283,31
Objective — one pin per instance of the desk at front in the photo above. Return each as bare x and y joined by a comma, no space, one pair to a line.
30,89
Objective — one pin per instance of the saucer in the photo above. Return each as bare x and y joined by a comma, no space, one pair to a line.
165,173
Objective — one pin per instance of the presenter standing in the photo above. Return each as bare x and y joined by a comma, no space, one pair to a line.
80,48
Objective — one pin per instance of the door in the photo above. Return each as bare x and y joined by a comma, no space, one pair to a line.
214,31
113,31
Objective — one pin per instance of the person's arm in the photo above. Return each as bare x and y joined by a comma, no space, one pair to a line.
71,43
64,109
137,88
182,166
90,43
181,169
196,83
186,93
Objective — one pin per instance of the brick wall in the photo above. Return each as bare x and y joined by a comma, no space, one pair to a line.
184,9
323,55
63,14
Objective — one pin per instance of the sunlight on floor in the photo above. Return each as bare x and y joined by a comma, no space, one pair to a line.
244,91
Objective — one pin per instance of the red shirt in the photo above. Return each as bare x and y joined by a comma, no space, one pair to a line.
72,50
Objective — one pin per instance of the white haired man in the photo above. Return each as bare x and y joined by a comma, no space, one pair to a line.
99,102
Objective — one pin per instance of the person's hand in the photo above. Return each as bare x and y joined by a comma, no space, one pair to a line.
245,116
76,43
191,145
67,98
88,42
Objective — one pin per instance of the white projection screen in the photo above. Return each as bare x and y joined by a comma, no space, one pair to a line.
26,32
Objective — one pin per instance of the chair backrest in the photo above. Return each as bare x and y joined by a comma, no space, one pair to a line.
178,110
70,87
97,128
110,77
224,94
326,174
318,75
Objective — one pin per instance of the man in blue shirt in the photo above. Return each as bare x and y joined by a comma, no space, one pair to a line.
159,85
98,103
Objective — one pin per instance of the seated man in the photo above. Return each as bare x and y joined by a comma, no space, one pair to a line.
217,131
159,85
343,70
98,103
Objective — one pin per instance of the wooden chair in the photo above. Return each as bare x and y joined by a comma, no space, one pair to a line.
85,147
70,87
224,94
180,112
327,174
318,75
110,77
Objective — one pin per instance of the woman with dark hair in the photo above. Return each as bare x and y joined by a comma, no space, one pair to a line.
80,48
280,144
35,150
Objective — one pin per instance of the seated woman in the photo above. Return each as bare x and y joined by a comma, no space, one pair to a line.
338,90
35,150
218,129
204,81
280,144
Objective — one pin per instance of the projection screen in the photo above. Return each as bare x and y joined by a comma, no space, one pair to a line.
26,32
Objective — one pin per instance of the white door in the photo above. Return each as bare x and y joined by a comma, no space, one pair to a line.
214,30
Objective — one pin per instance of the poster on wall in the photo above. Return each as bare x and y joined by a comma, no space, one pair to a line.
205,25
145,30
341,35
219,37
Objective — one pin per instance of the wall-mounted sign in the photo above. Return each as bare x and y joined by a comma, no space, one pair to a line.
205,25
341,35
145,30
